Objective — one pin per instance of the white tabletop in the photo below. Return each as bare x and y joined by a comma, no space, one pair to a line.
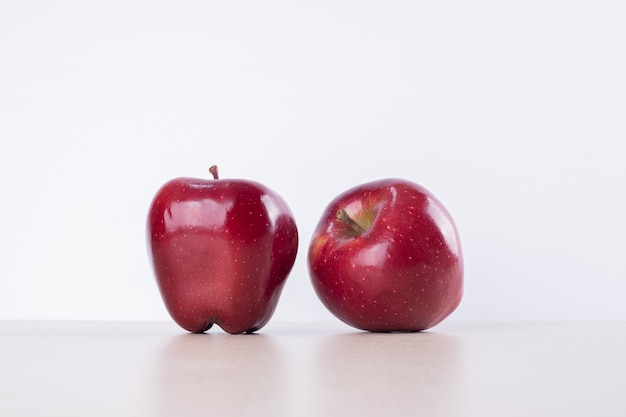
293,369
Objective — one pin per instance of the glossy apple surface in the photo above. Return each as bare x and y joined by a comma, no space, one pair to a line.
386,256
221,250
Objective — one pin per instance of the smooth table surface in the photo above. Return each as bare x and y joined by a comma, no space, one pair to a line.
326,369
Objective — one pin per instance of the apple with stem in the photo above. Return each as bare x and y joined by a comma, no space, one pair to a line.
221,251
386,256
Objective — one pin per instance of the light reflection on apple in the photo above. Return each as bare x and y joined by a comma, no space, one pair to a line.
373,256
193,214
447,229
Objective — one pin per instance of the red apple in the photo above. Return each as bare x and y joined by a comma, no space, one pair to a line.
386,256
221,251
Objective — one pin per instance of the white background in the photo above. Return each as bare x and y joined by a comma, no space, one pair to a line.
512,113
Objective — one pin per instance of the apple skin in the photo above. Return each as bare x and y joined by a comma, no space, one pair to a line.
221,251
399,269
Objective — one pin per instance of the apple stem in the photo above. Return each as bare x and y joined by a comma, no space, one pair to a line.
213,171
344,217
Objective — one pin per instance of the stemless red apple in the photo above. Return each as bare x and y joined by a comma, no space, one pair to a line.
221,251
386,256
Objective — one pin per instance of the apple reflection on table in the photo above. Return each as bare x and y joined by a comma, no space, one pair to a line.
364,373
220,375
